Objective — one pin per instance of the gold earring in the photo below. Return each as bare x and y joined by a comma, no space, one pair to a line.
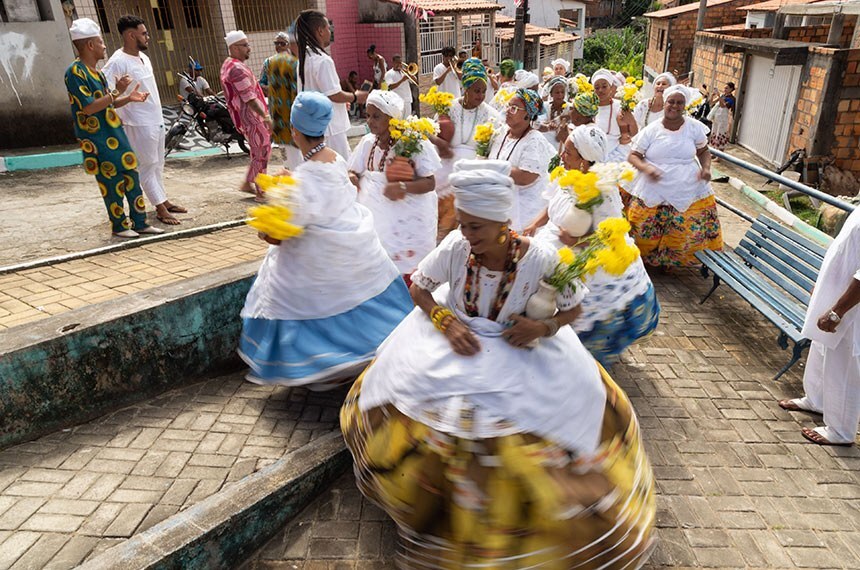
503,237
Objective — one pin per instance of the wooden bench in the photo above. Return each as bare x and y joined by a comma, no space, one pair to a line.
774,270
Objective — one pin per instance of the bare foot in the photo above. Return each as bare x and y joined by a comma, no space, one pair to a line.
174,208
247,188
164,216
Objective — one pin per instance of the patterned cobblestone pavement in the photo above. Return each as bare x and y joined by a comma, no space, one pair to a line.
738,485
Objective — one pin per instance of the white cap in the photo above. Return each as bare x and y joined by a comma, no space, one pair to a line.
234,36
84,28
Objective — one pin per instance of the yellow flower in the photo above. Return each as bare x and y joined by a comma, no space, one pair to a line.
613,231
557,173
639,83
273,220
395,134
566,256
627,175
630,79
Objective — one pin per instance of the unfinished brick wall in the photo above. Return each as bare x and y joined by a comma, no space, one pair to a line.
846,141
808,108
818,34
713,67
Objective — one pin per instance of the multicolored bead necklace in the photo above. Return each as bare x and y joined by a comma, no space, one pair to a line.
472,289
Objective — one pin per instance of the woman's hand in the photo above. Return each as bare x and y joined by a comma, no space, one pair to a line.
530,229
268,239
353,177
443,147
394,191
653,173
705,174
569,240
463,341
524,331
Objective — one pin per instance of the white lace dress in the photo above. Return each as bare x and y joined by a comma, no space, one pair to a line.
531,153
463,144
607,121
407,227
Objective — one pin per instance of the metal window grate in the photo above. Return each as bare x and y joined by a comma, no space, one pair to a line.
433,35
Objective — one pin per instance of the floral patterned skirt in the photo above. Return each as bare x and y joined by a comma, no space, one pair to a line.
669,238
512,502
719,140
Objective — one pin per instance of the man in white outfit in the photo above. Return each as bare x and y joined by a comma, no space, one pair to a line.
445,75
832,379
143,123
398,82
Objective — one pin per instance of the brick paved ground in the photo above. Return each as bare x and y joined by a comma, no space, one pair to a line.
738,486
34,294
71,495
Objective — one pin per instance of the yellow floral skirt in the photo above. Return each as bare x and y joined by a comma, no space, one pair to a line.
669,238
512,502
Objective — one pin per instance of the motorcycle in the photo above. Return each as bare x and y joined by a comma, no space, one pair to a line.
209,118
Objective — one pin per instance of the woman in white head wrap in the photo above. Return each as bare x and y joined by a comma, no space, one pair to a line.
404,213
618,310
556,90
620,127
313,287
672,209
560,67
473,441
651,110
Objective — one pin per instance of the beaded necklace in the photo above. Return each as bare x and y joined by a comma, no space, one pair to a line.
313,151
381,166
472,290
474,123
513,148
648,113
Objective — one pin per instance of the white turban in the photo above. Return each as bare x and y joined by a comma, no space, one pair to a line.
608,76
563,62
234,36
526,80
84,28
483,188
689,93
388,102
668,77
590,142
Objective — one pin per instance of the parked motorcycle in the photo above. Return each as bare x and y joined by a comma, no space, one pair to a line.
209,117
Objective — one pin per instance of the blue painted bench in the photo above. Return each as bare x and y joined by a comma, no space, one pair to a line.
773,269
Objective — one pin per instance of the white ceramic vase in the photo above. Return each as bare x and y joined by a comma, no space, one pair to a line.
576,222
542,304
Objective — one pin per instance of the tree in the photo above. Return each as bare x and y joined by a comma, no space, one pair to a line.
619,50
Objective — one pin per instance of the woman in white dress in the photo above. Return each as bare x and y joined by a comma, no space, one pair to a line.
651,110
488,454
467,112
672,211
334,277
554,109
620,127
619,309
528,153
404,213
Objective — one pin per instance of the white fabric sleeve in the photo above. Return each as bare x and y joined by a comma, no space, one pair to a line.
642,139
640,111
438,71
358,157
857,274
535,154
326,75
427,162
698,131
435,269
391,76
203,83
112,70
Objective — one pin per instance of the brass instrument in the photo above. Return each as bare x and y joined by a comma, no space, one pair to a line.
411,71
491,71
456,66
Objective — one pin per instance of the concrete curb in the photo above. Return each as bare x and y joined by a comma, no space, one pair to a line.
46,160
225,529
78,365
778,211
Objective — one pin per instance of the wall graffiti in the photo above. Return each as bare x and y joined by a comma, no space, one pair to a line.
17,51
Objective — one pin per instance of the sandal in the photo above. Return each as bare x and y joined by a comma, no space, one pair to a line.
819,439
168,220
174,209
791,406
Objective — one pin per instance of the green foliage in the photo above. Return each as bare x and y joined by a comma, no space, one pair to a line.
620,50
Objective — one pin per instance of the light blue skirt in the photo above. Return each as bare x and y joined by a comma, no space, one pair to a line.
322,354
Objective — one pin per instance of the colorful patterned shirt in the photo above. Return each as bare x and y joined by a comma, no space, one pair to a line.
240,87
103,141
280,72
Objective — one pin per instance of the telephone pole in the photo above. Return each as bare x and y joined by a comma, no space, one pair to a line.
519,50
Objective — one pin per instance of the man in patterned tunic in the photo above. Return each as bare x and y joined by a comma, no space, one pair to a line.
107,153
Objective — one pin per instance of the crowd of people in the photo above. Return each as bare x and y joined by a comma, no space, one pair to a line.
482,416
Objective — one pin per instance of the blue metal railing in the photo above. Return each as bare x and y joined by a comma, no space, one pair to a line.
794,185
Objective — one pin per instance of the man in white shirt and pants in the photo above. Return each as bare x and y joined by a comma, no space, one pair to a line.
399,82
832,379
143,123
446,77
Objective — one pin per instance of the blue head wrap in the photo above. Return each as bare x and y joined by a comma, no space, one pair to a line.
532,101
311,113
473,70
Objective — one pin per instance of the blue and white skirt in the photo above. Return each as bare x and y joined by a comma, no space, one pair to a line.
322,354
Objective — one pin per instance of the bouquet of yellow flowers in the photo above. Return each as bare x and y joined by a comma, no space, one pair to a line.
581,186
273,217
408,134
630,93
503,97
439,100
693,105
606,249
483,136
583,85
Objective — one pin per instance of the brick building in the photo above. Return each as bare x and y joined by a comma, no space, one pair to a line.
671,33
798,90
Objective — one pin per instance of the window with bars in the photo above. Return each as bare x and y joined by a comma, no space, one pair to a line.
433,35
191,11
161,14
267,15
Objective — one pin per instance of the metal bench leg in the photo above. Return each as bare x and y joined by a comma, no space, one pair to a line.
704,272
714,288
796,353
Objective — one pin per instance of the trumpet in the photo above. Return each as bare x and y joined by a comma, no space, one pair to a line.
456,67
410,71
491,71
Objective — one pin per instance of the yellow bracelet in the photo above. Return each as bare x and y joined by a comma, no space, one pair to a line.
435,310
440,317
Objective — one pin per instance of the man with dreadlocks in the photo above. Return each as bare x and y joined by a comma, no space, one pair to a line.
318,73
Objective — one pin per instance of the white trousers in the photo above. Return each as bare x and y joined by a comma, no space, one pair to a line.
338,143
291,156
832,386
147,142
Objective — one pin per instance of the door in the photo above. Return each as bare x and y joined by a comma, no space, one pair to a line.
768,101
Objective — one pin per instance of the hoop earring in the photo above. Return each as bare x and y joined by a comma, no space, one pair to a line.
503,237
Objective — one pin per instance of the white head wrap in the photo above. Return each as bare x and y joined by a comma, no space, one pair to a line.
84,28
483,188
668,77
590,142
689,93
234,36
388,102
527,80
608,76
563,62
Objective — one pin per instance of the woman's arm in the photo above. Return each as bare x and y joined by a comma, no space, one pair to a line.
538,222
525,330
463,341
637,160
704,156
523,177
398,190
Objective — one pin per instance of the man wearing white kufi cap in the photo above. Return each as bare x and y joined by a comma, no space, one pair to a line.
107,153
247,106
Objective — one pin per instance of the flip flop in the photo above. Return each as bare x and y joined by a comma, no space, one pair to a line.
792,407
819,439
174,209
170,221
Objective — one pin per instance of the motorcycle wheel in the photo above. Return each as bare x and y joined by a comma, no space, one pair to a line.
174,138
243,144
